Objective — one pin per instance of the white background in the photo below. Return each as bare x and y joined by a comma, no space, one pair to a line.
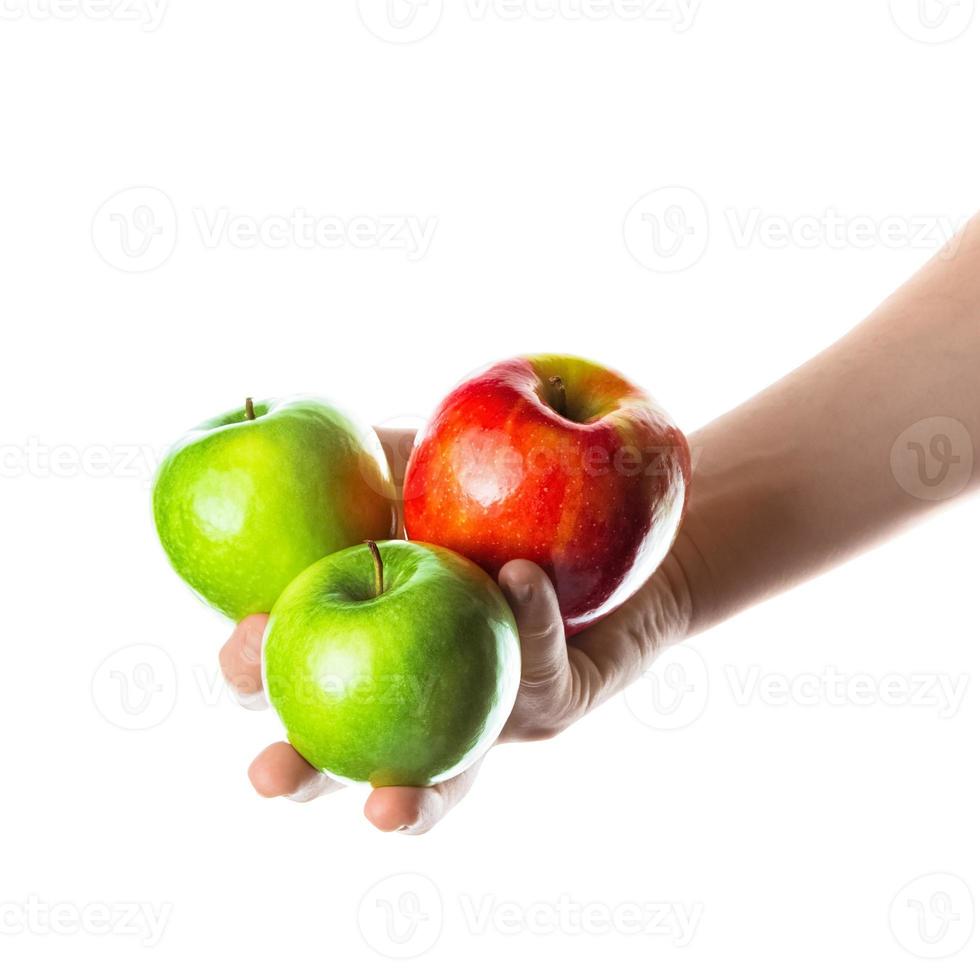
795,832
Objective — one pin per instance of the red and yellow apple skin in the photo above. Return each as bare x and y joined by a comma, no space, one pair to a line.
560,461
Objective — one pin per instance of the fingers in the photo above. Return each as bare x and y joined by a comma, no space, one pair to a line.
397,444
241,661
280,770
544,656
412,810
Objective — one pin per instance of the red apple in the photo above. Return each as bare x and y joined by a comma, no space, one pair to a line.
557,460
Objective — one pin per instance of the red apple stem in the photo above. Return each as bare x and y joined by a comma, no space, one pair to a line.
561,394
379,568
249,410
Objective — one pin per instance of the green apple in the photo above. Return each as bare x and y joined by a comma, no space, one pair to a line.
247,500
394,664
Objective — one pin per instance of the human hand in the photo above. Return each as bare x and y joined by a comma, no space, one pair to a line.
560,681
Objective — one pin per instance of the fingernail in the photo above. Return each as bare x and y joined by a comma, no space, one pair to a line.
253,646
256,701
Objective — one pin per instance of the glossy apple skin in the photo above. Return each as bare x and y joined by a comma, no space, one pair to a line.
595,495
243,506
407,688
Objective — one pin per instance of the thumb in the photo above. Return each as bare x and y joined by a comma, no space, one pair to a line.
544,656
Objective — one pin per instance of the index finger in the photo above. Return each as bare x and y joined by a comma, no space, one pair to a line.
241,660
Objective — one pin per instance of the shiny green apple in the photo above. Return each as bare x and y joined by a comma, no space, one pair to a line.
394,664
245,501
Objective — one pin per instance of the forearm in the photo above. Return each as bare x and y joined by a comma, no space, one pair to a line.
804,475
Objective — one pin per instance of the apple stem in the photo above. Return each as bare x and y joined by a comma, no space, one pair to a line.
379,568
561,394
249,410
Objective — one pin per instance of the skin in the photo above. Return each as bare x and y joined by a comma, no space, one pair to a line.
786,486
